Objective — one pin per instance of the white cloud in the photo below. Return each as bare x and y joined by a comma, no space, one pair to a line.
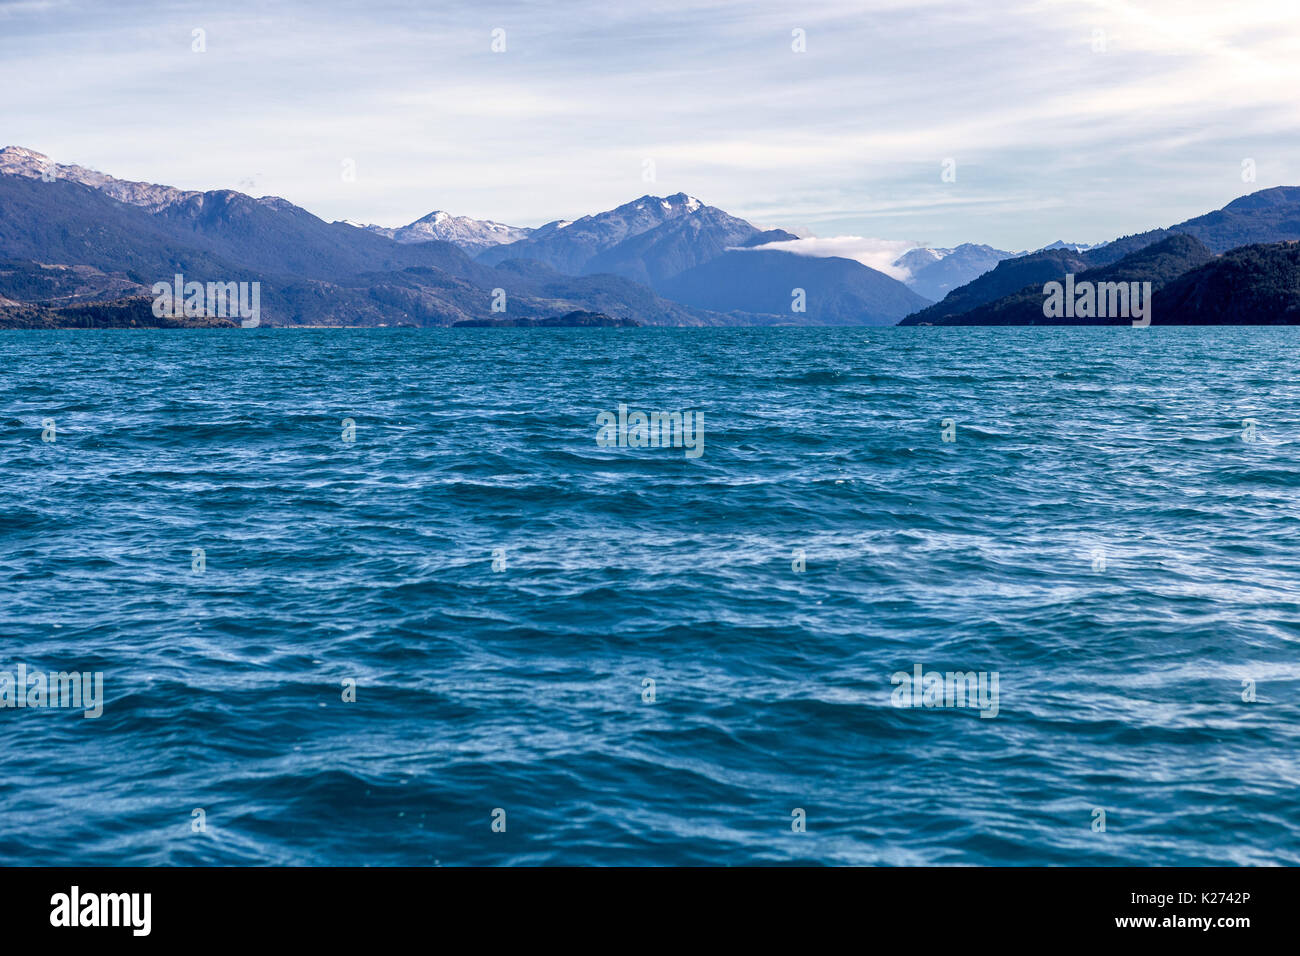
1050,138
877,253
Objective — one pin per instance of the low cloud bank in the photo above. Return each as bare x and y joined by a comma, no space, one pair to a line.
878,254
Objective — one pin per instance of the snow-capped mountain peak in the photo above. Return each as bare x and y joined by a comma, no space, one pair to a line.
1071,246
472,235
20,161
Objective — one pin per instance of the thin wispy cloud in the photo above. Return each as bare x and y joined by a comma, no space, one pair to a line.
1064,118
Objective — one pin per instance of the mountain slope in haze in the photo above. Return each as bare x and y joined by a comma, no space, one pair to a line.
933,273
613,295
66,223
1258,284
1159,264
837,291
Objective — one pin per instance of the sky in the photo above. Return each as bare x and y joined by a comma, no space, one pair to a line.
1080,120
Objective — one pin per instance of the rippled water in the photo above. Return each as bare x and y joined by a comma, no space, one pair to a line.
1098,533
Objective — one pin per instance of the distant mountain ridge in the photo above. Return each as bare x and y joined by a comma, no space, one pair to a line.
1266,216
835,291
933,273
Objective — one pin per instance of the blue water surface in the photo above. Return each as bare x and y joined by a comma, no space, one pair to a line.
1099,533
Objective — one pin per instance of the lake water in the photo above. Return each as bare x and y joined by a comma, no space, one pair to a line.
638,655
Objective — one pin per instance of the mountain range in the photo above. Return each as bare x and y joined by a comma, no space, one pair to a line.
71,236
628,241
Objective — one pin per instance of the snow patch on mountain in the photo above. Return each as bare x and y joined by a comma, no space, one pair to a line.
19,161
472,235
1071,246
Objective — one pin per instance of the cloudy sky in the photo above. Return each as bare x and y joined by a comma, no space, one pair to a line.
1065,119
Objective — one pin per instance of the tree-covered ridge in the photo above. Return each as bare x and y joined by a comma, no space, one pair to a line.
1254,285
